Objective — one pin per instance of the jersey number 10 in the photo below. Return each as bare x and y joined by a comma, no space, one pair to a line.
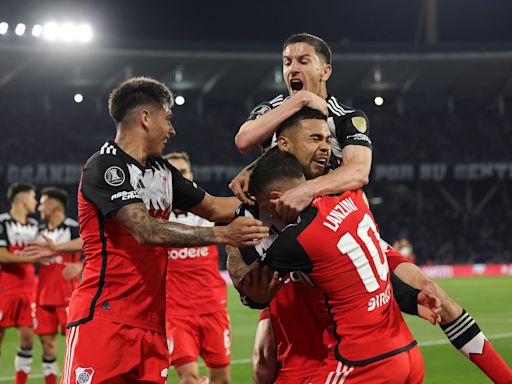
349,246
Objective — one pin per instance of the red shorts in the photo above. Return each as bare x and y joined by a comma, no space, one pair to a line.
404,368
100,351
16,310
205,335
49,319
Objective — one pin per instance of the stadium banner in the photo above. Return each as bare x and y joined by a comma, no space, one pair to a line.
69,173
468,270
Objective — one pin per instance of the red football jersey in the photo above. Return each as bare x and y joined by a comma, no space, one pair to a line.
299,319
337,243
194,284
17,278
53,289
122,280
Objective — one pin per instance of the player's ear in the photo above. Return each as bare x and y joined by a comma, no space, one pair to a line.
275,194
144,118
326,72
282,143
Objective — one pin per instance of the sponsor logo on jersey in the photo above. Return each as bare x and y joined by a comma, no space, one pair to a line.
84,375
359,137
360,123
380,299
187,253
125,195
260,110
114,176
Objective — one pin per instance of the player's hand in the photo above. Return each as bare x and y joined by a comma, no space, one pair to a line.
240,187
429,307
244,232
260,285
41,250
314,101
291,203
71,270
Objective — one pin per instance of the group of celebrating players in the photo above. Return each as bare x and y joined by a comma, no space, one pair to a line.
303,247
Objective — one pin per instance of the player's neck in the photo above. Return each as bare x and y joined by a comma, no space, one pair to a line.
55,220
131,145
19,213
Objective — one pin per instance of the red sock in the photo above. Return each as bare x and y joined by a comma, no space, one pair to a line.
21,377
50,379
467,337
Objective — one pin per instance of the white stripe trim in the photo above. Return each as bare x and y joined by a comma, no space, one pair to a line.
103,147
462,330
338,374
68,353
333,109
456,324
277,98
345,111
345,375
460,325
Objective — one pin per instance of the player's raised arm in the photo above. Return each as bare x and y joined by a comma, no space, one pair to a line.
264,121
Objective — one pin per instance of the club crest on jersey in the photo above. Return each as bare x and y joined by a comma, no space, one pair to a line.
84,375
360,123
114,176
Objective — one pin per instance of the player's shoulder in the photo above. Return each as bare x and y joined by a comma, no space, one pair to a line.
6,216
267,105
336,108
108,153
69,222
245,210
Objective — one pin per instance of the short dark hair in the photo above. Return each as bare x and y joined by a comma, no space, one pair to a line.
56,193
306,113
273,166
178,156
19,187
135,92
321,48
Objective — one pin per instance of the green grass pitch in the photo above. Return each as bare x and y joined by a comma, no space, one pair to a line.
489,300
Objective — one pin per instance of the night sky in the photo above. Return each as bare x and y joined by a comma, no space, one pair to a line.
341,21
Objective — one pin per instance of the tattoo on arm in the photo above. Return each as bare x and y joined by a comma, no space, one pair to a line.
150,231
236,265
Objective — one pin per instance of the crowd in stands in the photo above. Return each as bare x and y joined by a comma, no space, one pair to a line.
70,133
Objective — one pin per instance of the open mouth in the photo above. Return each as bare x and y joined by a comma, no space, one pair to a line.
322,162
296,85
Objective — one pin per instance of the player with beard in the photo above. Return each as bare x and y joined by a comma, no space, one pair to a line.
197,320
57,278
306,69
116,320
17,276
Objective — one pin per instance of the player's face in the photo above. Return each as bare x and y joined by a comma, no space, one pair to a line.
303,69
310,144
46,207
160,130
184,168
29,201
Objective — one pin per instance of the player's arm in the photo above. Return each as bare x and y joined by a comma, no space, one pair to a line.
261,127
148,230
49,248
264,354
353,174
216,209
10,258
416,302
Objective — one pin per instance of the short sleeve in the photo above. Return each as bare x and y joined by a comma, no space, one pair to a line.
353,129
106,184
186,194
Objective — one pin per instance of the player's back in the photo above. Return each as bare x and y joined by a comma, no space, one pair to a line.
337,243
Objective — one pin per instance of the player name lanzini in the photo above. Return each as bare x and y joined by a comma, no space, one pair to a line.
339,213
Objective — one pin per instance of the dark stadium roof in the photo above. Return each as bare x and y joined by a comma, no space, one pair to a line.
231,49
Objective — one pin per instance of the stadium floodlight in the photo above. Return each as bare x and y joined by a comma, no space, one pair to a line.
50,31
378,101
180,100
4,27
84,33
78,98
37,30
68,32
20,29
